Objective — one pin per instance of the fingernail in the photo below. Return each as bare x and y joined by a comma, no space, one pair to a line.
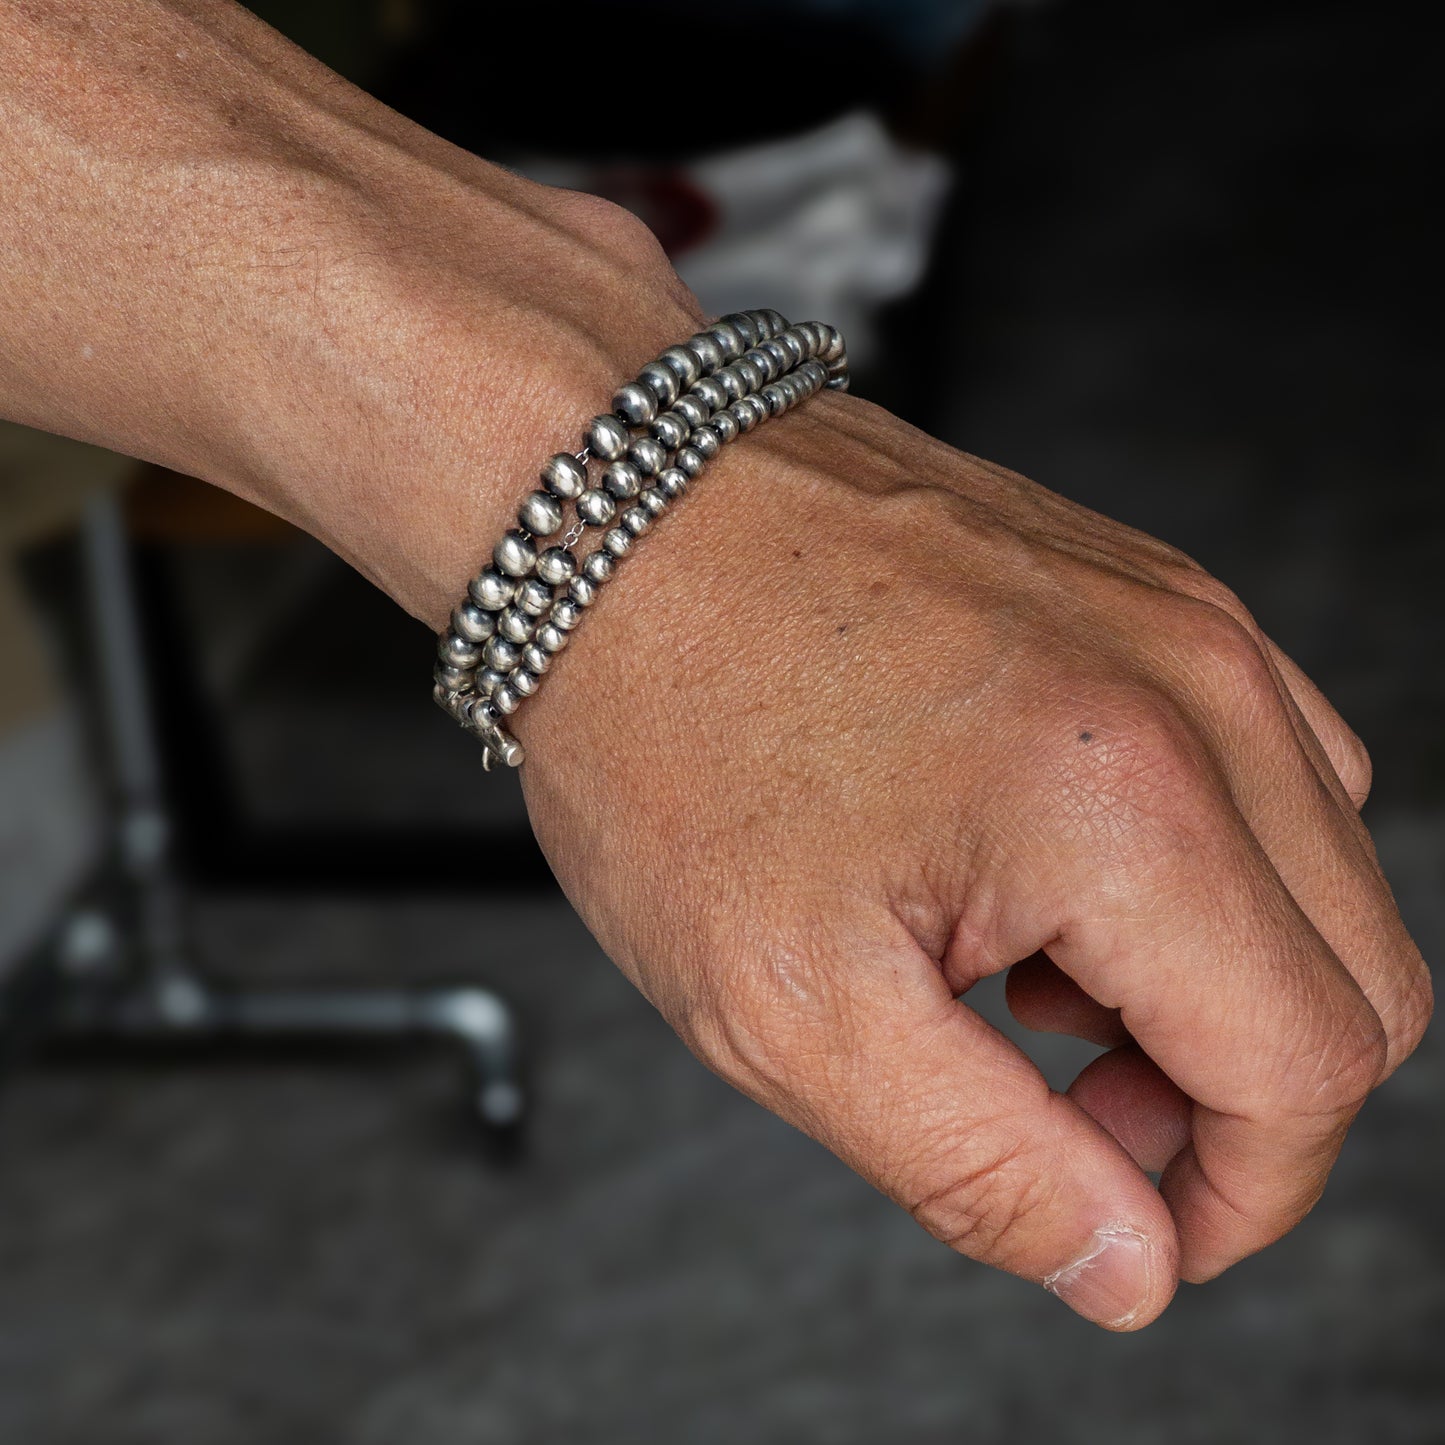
1109,1282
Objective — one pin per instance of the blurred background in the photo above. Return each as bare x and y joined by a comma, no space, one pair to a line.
303,1137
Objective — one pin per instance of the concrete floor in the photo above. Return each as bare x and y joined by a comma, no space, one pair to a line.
1192,273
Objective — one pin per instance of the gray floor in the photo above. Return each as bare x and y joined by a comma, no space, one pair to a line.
1193,293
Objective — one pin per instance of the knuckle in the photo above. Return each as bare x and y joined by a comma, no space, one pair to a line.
1332,1080
981,1210
1413,1010
1224,648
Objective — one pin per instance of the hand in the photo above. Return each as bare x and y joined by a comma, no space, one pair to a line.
865,721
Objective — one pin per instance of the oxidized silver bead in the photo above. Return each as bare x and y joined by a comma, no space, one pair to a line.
564,476
745,325
501,655
654,500
637,520
582,591
832,347
523,682
514,554
556,565
551,638
765,363
622,480
682,364
706,351
752,374
635,404
595,507
617,541
838,376
648,456
455,679
515,625
661,381
534,596
599,567
763,323
692,411
742,413
566,614
505,699
776,398
672,482
728,338
540,514
474,623
725,424
815,373
712,392
489,681
689,461
536,659
706,441
454,651
776,321
757,406
792,347
670,430
732,382
606,437
491,590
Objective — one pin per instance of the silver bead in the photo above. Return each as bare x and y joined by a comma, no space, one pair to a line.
556,565
455,679
595,507
728,338
514,555
582,592
706,351
810,335
838,376
815,373
617,541
505,699
763,324
648,456
454,651
492,590
689,461
622,480
706,441
654,500
536,659
540,514
489,681
514,625
599,566
501,655
551,638
670,430
534,596
661,381
745,325
566,615
767,364
672,482
753,374
523,682
564,476
474,623
742,413
712,392
692,411
757,406
682,364
776,321
725,424
606,437
776,398
733,385
635,404
832,347
637,520
792,343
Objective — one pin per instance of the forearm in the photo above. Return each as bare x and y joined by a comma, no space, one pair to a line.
216,254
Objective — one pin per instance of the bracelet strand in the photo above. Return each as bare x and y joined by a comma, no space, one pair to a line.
664,428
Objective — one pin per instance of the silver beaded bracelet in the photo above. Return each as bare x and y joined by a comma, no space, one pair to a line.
663,430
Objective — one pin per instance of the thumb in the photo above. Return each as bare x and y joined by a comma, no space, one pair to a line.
856,1038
